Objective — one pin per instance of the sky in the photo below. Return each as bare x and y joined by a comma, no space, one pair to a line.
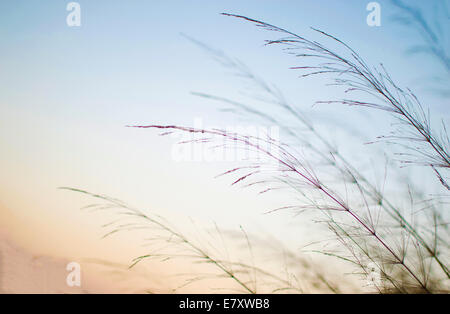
67,93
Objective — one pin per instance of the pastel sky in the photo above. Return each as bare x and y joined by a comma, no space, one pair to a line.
67,93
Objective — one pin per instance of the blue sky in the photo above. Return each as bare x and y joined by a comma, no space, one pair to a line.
133,52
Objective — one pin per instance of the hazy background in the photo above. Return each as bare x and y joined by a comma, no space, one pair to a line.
67,93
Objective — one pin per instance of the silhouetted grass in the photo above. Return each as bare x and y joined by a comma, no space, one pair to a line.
409,252
406,244
165,242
